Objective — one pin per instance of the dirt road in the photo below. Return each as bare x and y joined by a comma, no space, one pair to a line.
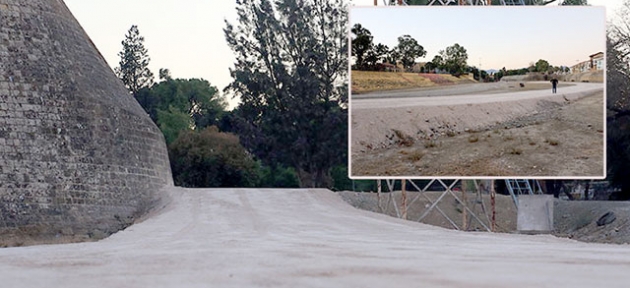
465,94
306,238
525,133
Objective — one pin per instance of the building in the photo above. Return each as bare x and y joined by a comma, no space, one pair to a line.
418,67
595,63
387,67
581,67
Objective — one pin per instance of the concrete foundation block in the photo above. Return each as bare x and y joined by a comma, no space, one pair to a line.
535,213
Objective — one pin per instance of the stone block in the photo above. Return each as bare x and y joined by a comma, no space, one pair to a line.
535,213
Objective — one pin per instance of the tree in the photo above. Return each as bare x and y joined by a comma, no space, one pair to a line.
278,177
541,66
165,74
196,98
438,62
361,44
409,49
176,105
479,75
209,158
454,59
500,74
378,54
172,122
484,75
133,67
532,67
392,57
290,74
429,67
618,103
475,71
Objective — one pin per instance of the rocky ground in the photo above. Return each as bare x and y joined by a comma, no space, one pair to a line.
538,137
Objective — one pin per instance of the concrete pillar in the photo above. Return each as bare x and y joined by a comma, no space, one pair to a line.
535,213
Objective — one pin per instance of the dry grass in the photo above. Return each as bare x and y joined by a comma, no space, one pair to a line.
473,138
430,144
367,81
404,139
415,155
552,142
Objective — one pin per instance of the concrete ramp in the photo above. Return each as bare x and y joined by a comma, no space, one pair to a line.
306,238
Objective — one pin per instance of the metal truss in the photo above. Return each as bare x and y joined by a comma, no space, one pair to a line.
401,208
515,188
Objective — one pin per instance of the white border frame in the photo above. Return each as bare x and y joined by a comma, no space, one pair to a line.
605,83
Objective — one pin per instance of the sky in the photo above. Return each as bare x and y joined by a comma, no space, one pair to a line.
185,36
494,37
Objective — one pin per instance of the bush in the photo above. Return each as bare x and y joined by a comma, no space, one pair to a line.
210,158
278,177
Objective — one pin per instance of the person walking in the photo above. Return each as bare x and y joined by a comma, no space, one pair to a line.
554,84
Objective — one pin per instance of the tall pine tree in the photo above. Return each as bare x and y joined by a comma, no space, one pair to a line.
290,74
133,67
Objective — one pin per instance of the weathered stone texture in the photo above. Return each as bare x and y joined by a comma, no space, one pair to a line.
78,155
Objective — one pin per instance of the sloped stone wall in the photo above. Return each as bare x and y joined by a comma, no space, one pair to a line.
79,157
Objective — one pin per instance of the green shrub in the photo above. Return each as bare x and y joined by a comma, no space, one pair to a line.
209,158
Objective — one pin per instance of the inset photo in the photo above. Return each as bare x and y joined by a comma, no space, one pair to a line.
439,92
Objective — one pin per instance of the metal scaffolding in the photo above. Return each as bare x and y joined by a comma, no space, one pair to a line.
468,213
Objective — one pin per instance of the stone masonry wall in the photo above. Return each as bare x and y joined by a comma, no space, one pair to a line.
79,157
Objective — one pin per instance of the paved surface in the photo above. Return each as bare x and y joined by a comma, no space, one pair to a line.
306,238
423,97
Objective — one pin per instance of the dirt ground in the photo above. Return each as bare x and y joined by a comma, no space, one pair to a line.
232,237
537,137
572,219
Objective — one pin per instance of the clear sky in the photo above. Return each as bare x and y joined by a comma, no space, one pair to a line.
185,36
496,37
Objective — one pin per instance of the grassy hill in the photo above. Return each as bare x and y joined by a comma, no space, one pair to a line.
367,81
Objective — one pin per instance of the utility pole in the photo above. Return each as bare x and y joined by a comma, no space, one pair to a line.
404,198
464,211
493,195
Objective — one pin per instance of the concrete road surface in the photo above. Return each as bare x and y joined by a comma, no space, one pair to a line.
422,97
306,238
